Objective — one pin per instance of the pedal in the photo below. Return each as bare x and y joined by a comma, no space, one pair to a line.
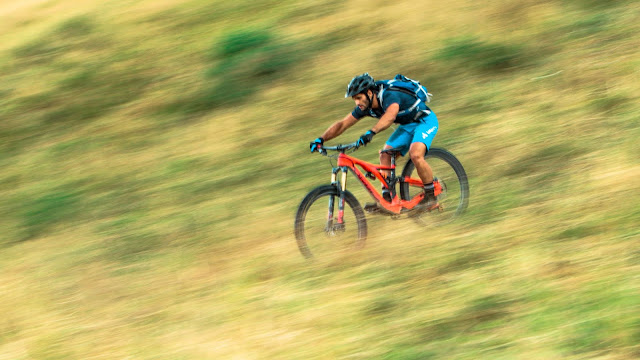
372,208
420,210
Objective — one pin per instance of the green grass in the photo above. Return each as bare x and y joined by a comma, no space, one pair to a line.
154,154
46,210
473,53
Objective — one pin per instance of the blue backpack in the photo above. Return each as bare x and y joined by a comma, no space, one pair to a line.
408,86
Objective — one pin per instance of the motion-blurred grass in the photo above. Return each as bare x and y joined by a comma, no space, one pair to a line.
154,153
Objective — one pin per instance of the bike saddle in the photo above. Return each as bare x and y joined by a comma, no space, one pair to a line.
392,151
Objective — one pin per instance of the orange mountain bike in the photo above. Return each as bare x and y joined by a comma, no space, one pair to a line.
319,227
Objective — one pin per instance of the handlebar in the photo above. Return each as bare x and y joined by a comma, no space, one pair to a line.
342,147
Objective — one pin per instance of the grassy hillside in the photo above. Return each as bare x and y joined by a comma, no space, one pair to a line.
153,156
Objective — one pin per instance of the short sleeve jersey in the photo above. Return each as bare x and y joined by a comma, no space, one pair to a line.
403,100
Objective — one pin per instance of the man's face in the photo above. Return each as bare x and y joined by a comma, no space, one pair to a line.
362,101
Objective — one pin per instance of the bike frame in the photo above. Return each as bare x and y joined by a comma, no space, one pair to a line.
396,205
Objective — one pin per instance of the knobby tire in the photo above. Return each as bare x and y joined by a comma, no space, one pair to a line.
324,192
454,163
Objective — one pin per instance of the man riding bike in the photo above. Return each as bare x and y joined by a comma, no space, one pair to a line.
415,134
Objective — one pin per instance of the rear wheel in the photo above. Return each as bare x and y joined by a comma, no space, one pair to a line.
454,198
317,234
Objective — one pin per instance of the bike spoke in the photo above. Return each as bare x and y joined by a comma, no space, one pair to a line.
321,232
454,196
326,235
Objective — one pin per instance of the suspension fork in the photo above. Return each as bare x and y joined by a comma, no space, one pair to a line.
342,186
343,189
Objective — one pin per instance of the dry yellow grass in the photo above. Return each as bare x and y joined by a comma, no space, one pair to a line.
184,248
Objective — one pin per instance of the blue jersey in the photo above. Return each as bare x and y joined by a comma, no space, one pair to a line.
404,100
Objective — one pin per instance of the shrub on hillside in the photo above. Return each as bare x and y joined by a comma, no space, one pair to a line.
243,62
595,4
481,55
247,59
47,210
69,34
90,84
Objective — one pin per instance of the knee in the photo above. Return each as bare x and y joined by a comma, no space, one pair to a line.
416,155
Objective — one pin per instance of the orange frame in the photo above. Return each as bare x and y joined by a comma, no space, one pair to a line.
396,205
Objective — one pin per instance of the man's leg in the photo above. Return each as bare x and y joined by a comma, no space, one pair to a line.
385,159
401,138
422,138
417,152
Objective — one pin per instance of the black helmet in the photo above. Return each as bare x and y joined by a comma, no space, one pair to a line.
360,84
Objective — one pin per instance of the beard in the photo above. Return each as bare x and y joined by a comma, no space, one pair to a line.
365,105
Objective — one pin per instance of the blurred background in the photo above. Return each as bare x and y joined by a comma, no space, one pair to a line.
153,155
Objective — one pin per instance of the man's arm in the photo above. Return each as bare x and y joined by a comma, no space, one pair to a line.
339,127
387,118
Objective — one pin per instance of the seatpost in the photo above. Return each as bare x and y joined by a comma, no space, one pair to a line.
392,172
391,180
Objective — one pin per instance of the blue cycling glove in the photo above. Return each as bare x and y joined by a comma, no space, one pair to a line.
316,144
366,138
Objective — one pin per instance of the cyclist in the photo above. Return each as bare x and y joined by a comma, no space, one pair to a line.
414,135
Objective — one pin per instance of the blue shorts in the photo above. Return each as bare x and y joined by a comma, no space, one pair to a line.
423,131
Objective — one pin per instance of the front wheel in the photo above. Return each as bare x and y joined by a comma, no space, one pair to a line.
454,198
317,228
